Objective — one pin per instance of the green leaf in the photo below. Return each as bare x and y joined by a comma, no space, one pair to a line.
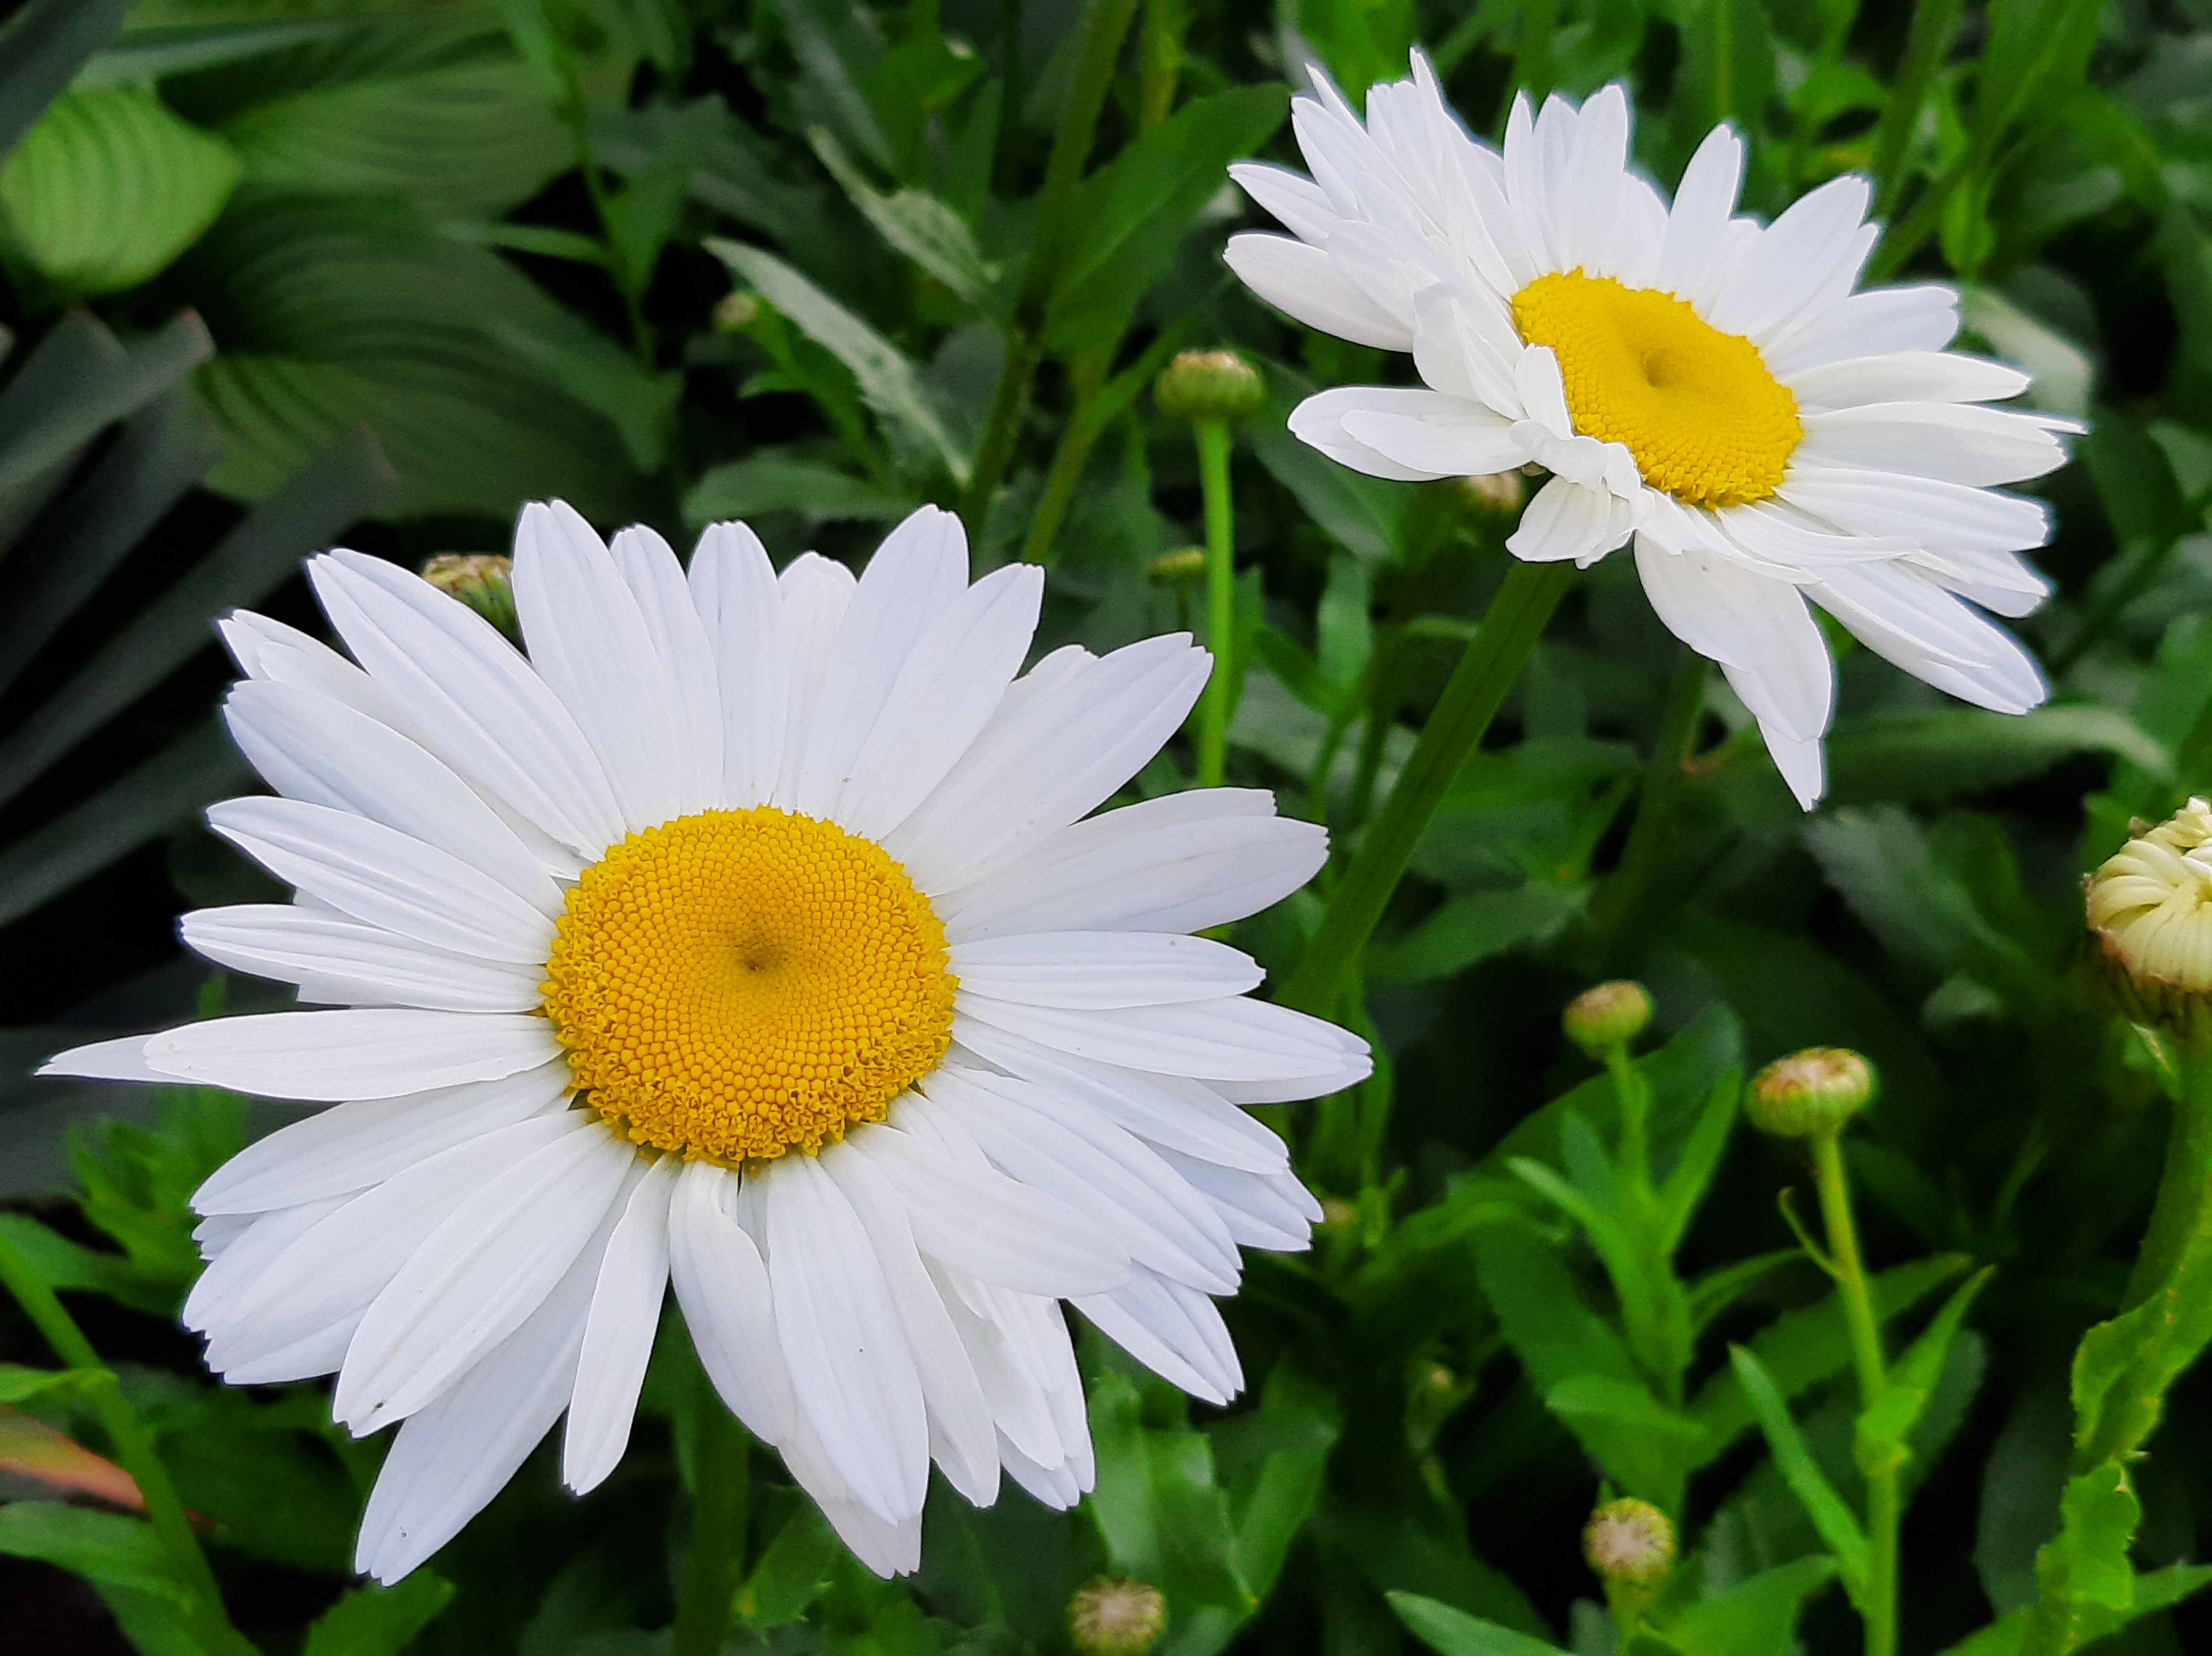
1556,1336
109,187
1838,1527
1883,1430
1684,1187
1941,753
1472,927
1455,1633
914,222
2158,1590
67,1266
1717,1290
1647,1448
1756,1617
103,1547
22,1385
776,480
2084,1569
1129,214
887,380
376,1621
42,47
1363,515
794,1571
1296,1425
80,380
639,403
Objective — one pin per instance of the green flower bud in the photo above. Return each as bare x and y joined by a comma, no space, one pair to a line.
1184,563
736,312
1628,1543
482,581
1609,1015
2150,909
1209,385
1810,1093
1494,495
1110,1617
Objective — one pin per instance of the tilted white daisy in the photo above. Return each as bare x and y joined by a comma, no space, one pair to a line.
750,935
1712,388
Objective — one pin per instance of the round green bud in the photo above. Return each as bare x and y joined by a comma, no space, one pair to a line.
1209,385
1810,1093
482,581
1494,495
1605,1017
1629,1542
736,312
1115,1617
1184,563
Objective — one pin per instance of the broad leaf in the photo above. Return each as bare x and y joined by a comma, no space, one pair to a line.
771,480
1838,1525
1455,1633
103,1547
375,1621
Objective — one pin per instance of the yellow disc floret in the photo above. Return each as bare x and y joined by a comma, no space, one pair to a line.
1706,421
737,983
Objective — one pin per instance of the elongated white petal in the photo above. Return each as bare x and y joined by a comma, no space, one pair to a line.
376,966
853,1376
815,594
1955,443
123,1059
723,1286
350,1147
633,1276
233,1275
386,877
741,611
1319,422
1569,521
1101,969
1173,1330
1300,282
1229,1039
370,1053
480,1274
1937,513
649,568
1931,376
1275,1213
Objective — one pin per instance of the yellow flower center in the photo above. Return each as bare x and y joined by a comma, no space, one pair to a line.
1697,408
738,983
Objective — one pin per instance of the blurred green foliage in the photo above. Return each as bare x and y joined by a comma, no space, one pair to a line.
277,270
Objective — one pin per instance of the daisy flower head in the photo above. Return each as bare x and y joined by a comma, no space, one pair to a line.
1718,390
751,934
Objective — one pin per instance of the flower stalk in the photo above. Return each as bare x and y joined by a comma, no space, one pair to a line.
721,1487
1220,600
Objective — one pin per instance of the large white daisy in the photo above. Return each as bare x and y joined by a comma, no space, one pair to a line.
746,935
1712,388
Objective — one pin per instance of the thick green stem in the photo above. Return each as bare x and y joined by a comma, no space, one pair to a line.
1159,62
1885,1506
1493,660
720,1478
203,1608
1622,902
1927,44
1220,600
1105,26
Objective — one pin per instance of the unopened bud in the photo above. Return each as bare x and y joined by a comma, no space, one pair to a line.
736,312
1111,1617
1629,1542
1209,385
1811,1092
1184,563
1335,1210
482,581
1494,495
2150,909
1605,1017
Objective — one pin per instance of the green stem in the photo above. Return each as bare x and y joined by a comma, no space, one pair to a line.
1532,48
720,1478
1885,1506
203,1609
1096,408
1927,44
1220,600
1104,25
1626,894
1493,660
1159,61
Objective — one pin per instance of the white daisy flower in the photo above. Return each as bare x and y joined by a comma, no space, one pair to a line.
1713,389
733,867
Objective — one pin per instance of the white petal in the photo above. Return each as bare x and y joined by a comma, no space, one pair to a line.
733,586
589,641
350,1147
1449,438
123,1059
1048,758
1299,205
889,1550
312,748
851,1375
655,578
1587,210
1815,245
1318,422
945,693
1907,618
374,966
962,1439
480,1274
981,1222
386,877
1171,1329
632,1279
1566,521
1871,324
722,1285
1938,514
1697,223
815,594
368,1053
456,678
1932,376
1277,1213
1229,1039
1465,346
449,1460
1955,443
1101,969
230,1278
1304,284
916,575
1182,862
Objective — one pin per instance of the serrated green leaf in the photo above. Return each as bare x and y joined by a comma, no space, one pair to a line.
378,1621
1753,1617
792,1573
110,186
1455,1633
1647,1448
1838,1525
769,481
103,1547
888,381
2085,1566
1881,1434
915,222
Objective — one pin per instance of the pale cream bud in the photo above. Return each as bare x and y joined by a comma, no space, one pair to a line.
1629,1542
2150,907
1607,1016
1810,1093
1111,1617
